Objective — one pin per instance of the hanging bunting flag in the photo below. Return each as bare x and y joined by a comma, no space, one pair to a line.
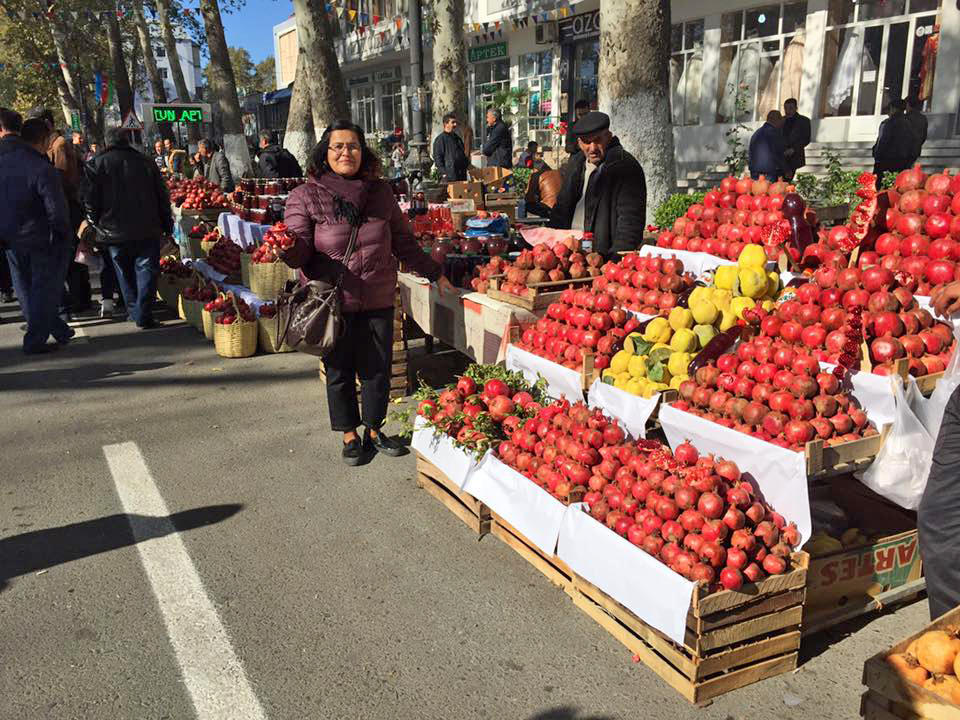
399,23
328,7
500,33
352,14
98,85
496,24
535,20
376,19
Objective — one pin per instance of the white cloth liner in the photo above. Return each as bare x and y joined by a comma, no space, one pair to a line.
874,393
779,474
439,449
521,502
642,584
241,291
632,411
561,381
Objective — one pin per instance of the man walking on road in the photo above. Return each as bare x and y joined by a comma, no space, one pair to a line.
448,152
499,144
605,191
766,154
796,137
35,229
129,204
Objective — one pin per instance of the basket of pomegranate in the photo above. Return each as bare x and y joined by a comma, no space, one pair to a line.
235,330
173,277
917,678
268,273
267,330
212,310
208,241
194,298
725,564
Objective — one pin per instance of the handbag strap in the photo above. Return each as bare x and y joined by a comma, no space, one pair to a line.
351,245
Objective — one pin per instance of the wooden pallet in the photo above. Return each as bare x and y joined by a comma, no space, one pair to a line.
733,639
537,296
474,514
874,706
552,567
901,699
827,460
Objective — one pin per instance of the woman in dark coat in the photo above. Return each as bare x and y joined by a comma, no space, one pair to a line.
344,183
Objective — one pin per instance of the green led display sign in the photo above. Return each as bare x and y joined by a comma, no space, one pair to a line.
174,113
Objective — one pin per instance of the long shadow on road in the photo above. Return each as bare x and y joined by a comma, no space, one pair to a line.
41,549
564,712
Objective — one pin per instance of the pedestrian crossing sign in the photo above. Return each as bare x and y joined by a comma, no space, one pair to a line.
131,122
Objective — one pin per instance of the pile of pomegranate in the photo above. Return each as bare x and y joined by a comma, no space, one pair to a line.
694,513
224,256
481,408
172,267
815,321
922,222
442,245
196,194
230,310
564,261
205,293
275,240
777,393
268,310
731,216
644,283
579,323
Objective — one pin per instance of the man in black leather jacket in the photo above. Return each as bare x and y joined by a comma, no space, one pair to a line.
128,203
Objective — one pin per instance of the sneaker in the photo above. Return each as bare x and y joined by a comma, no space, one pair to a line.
7,297
383,443
106,308
353,452
65,339
148,324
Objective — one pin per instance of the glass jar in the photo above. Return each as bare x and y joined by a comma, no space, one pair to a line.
263,202
258,216
272,187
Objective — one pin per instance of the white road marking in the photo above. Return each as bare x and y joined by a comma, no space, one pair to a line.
211,671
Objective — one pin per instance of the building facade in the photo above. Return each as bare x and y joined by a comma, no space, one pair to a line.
731,62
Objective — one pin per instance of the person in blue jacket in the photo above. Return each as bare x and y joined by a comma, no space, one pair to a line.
767,149
35,233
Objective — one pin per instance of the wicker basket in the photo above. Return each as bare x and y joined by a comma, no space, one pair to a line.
205,247
245,269
192,312
193,244
268,336
237,340
207,323
267,280
169,290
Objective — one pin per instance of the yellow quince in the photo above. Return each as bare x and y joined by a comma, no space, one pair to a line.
658,330
704,313
725,276
753,282
619,362
680,318
637,367
752,256
739,304
684,341
678,363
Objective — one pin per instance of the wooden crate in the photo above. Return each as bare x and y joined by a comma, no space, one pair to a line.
474,514
825,460
927,383
538,295
733,639
888,692
877,707
553,568
588,373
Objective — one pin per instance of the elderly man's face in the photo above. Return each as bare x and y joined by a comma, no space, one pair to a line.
594,146
491,119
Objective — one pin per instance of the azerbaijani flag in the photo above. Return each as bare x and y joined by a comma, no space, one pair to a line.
104,89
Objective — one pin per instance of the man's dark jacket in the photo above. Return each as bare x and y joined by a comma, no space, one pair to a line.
766,153
615,207
918,122
127,199
499,145
275,162
796,135
896,145
33,206
449,157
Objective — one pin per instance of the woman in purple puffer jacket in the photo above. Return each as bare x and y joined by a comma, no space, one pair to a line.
345,184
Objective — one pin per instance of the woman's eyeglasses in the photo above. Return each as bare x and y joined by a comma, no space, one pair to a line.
340,148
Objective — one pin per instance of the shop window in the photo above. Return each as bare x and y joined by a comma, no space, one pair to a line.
536,77
391,106
761,60
363,108
881,51
686,69
586,64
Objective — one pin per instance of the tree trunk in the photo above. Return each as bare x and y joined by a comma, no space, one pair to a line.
121,80
176,71
634,88
328,99
158,90
222,82
69,86
299,137
449,64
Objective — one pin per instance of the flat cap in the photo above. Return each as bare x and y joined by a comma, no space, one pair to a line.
592,122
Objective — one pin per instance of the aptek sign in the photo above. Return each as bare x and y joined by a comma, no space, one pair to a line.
482,53
177,113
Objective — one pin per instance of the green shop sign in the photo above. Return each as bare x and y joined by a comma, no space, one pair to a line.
487,52
173,113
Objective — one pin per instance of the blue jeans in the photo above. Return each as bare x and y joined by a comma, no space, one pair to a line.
38,275
137,266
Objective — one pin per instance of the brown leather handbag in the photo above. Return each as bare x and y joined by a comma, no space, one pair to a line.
310,317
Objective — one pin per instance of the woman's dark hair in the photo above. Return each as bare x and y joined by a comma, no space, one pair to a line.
369,163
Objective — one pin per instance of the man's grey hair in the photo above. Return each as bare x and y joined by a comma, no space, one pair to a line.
497,113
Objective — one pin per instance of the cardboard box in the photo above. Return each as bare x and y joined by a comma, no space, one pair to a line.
507,207
491,177
466,190
855,574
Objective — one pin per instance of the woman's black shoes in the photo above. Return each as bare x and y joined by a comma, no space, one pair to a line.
353,452
383,443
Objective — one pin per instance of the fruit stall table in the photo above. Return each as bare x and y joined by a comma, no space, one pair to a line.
473,323
243,232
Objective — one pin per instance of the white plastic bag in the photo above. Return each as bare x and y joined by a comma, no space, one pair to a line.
900,470
930,410
87,257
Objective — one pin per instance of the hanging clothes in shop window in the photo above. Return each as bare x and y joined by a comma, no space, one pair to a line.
676,99
686,94
789,69
845,73
930,48
748,71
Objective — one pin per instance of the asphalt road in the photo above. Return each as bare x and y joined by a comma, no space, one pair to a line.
310,589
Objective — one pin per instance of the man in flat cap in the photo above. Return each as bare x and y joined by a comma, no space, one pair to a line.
605,192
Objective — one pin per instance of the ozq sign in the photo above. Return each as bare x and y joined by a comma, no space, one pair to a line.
580,27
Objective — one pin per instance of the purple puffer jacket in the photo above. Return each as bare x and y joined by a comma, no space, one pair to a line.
370,280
